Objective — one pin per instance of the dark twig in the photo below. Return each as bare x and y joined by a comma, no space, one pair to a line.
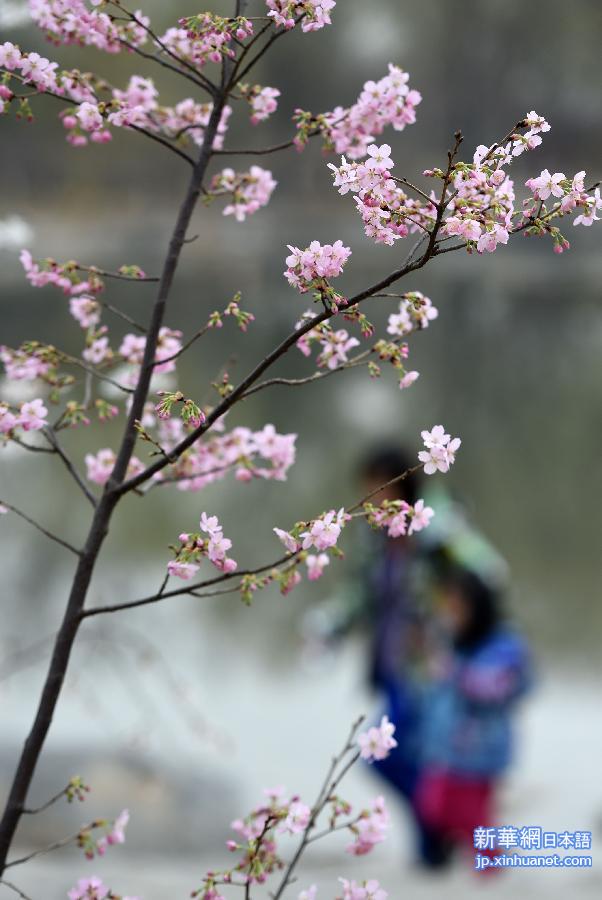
44,531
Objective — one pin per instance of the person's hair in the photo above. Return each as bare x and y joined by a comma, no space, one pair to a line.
385,462
483,603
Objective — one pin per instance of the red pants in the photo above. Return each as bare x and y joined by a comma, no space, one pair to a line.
454,805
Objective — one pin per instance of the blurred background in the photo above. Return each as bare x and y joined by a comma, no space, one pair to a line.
184,711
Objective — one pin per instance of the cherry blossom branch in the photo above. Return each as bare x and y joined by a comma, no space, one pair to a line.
100,522
179,70
410,265
383,487
36,525
119,276
202,80
150,134
355,362
193,589
269,43
330,784
57,845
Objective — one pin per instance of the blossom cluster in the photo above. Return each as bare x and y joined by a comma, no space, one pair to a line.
370,828
26,364
322,533
314,14
251,454
138,106
100,465
262,100
440,452
211,543
31,416
398,517
66,277
367,890
206,38
33,68
115,834
310,269
572,195
169,345
73,22
94,889
383,103
248,191
415,313
388,213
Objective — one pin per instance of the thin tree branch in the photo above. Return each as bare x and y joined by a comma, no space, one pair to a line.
410,265
179,70
15,889
47,805
119,276
359,360
44,531
74,361
192,589
202,80
262,152
121,315
53,441
330,784
57,845
164,142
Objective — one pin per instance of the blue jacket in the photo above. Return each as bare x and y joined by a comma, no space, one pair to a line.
466,720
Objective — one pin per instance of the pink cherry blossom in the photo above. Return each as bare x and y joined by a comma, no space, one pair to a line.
249,191
85,310
32,415
291,544
89,116
370,829
89,889
592,205
376,743
440,450
98,351
546,184
8,419
307,268
421,516
316,565
263,103
316,13
408,379
325,531
415,313
297,819
335,348
309,894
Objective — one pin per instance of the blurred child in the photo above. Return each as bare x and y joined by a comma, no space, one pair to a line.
466,722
